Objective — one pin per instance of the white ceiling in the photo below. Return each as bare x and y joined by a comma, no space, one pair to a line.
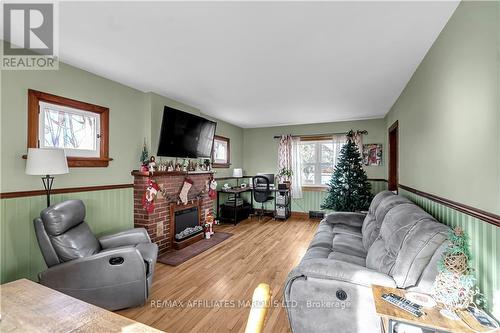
257,64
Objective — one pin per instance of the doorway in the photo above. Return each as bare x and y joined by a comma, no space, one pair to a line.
393,157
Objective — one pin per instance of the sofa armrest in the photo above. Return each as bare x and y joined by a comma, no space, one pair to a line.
99,270
347,218
332,269
125,238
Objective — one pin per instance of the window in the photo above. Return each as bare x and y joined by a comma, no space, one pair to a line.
75,130
318,159
81,129
221,152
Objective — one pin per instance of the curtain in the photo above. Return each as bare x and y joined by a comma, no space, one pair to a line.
285,153
339,141
296,169
358,140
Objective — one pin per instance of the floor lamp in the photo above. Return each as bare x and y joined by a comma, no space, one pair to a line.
46,162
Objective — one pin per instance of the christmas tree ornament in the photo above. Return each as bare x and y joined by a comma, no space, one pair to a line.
349,189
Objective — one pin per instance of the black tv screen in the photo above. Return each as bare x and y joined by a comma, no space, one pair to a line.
185,135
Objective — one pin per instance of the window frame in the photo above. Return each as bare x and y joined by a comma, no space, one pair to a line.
317,163
43,106
34,99
227,164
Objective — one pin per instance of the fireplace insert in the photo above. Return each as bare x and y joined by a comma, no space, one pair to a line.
186,223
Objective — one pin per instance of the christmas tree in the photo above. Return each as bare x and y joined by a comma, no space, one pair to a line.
144,154
349,189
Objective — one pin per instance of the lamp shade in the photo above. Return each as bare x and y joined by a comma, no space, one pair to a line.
43,161
238,172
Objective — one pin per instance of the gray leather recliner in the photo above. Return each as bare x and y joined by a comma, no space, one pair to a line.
113,272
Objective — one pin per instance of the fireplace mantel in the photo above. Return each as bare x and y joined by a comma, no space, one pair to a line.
158,223
137,173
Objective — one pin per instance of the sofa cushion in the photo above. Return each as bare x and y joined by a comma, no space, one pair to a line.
347,230
348,258
348,244
408,238
317,253
373,222
369,224
323,236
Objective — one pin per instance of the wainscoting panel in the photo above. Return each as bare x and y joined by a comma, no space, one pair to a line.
312,200
483,240
107,211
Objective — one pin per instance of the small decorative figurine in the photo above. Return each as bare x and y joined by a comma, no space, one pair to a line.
170,166
152,164
209,226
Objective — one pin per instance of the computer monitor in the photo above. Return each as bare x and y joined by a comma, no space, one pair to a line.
269,176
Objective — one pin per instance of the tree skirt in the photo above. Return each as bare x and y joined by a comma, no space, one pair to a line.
177,257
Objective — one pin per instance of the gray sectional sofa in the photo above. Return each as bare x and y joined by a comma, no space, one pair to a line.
395,244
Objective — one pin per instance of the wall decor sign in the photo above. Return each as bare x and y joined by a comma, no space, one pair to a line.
372,154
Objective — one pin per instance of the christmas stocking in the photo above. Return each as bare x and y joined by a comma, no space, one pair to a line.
183,195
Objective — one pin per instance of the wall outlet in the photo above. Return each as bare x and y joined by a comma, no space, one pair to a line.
159,229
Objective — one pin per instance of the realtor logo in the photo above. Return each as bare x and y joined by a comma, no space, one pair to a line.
29,36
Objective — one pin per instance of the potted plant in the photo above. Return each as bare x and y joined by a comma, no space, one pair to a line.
285,174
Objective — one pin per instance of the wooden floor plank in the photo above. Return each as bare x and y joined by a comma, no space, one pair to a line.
213,285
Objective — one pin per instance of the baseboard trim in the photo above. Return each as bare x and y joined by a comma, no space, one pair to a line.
20,194
300,215
466,209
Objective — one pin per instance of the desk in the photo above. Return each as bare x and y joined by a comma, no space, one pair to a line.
238,190
433,320
30,307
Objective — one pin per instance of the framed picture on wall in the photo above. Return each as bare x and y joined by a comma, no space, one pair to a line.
372,154
221,152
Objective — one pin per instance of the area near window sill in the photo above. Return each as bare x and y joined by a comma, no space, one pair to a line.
90,162
317,188
221,165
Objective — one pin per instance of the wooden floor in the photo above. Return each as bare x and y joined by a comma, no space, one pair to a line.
205,293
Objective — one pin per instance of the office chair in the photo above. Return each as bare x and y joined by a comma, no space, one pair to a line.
261,194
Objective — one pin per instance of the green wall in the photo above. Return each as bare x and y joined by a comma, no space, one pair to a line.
126,126
449,114
134,115
449,132
261,153
484,245
261,149
107,211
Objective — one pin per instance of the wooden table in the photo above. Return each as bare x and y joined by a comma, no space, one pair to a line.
27,306
432,319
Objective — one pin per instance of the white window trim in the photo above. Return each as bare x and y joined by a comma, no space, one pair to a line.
70,152
317,163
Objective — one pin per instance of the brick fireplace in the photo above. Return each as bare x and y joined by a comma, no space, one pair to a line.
158,223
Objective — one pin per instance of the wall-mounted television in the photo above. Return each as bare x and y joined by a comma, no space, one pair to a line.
185,135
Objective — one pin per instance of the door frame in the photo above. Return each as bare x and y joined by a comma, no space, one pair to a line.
393,138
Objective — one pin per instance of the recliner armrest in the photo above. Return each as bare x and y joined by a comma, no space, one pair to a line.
125,238
332,269
348,218
97,270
